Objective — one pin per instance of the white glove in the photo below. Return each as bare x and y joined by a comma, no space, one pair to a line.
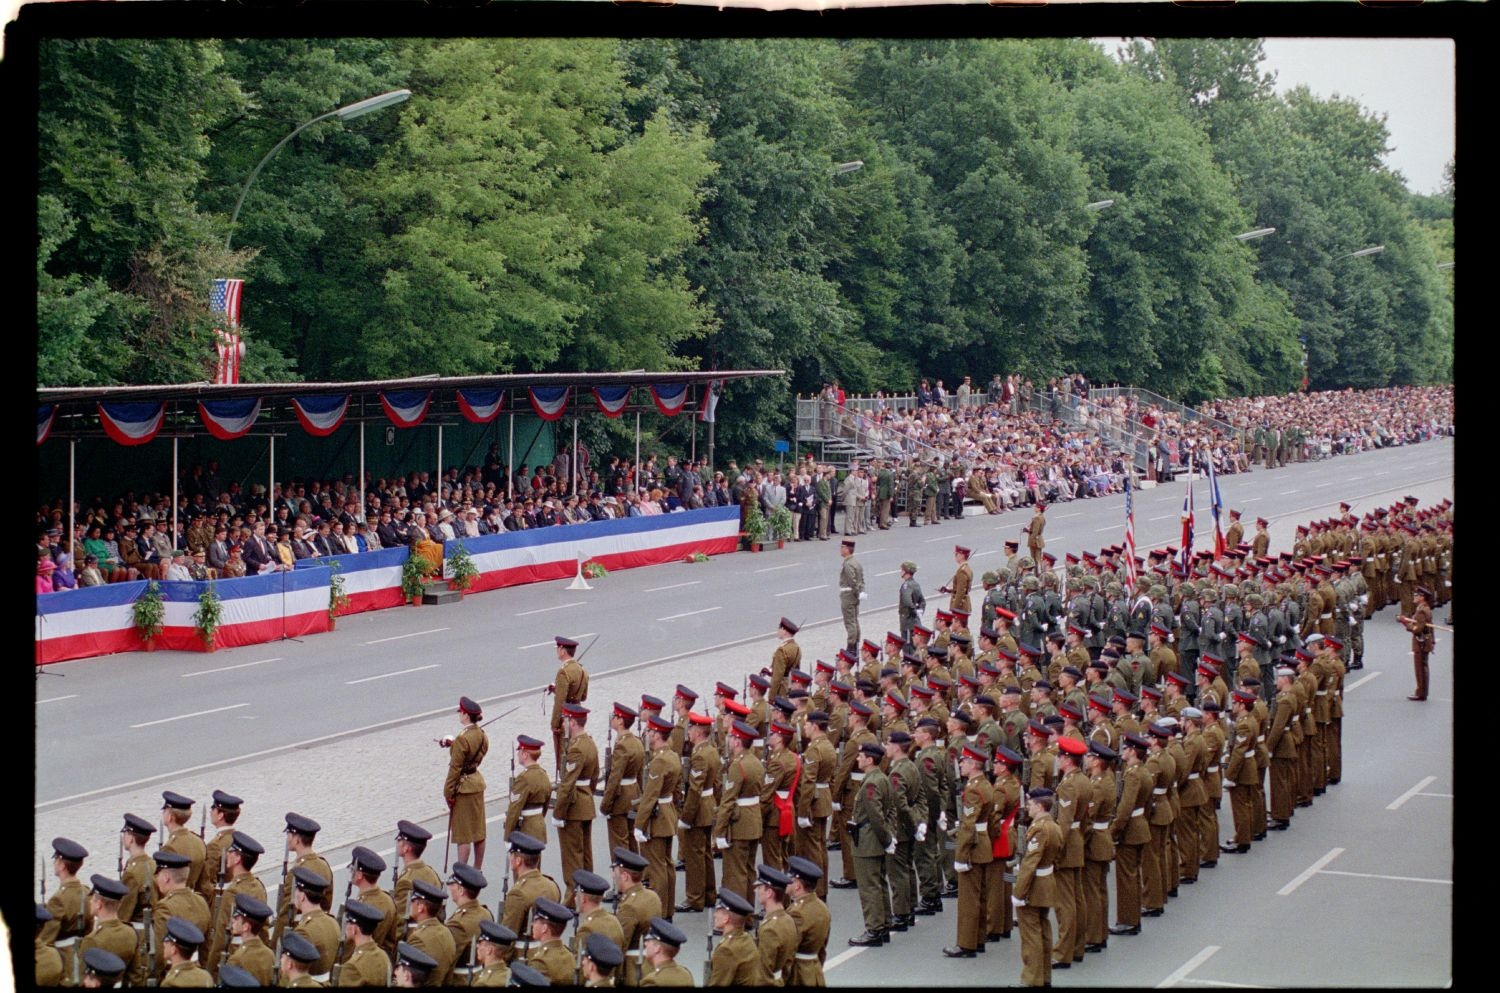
943,821
804,822
960,867
863,595
683,825
1045,626
891,848
1221,635
558,823
722,844
445,741
1017,902
1281,640
922,831
641,836
838,807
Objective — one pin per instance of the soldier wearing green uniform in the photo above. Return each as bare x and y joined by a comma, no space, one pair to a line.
851,592
910,602
870,828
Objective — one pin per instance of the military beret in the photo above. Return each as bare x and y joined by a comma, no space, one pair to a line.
873,750
302,825
1072,670
226,800
527,743
1250,681
467,706
110,889
362,911
102,962
625,858
496,932
170,860
985,700
899,738
138,825
233,977
766,875
176,801
819,717
66,848
467,876
185,933
1011,690
247,905
666,932
805,868
734,903
413,957
412,831
552,911
522,842
1212,707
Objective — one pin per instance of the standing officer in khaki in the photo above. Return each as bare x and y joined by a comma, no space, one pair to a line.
656,815
300,832
788,656
782,777
870,828
963,578
528,883
367,964
247,925
622,780
598,959
573,810
222,814
464,788
1420,626
427,934
1282,741
68,904
176,899
176,812
494,943
240,857
972,853
811,916
1033,532
1035,889
1071,806
411,842
910,807
1192,841
737,821
570,685
1099,850
588,901
776,937
700,783
1132,833
663,940
1242,774
548,954
851,592
365,867
736,960
109,933
464,885
134,834
181,940
820,764
636,909
298,958
313,922
530,792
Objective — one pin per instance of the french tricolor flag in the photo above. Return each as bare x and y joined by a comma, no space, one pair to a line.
321,415
229,419
406,408
612,399
670,398
132,423
44,418
549,402
480,406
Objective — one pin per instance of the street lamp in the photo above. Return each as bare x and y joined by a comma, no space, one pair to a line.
844,167
1098,205
346,113
1372,250
1251,235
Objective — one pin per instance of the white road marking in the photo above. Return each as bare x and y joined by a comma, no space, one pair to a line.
992,551
1385,473
805,589
226,668
1319,486
1354,479
398,637
941,537
1112,527
1246,500
1362,680
1312,871
197,713
543,610
673,617
1397,803
1188,967
1298,490
843,957
1063,517
674,586
773,568
891,573
386,675
1220,982
1165,517
549,641
1399,879
870,551
57,698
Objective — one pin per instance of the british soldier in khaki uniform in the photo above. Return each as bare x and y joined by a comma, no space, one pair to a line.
176,813
529,885
570,685
700,783
736,961
1035,888
300,833
247,925
463,789
427,933
1242,774
573,808
464,884
411,842
109,934
240,857
788,656
636,910
1099,847
656,814
963,579
530,792
973,852
367,964
548,955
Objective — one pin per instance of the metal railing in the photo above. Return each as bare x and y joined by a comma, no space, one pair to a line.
1149,399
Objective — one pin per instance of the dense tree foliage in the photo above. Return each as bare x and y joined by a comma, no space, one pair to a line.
545,204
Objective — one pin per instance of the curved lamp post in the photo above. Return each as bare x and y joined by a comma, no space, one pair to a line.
346,113
1252,235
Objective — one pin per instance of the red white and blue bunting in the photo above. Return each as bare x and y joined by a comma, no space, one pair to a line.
406,408
44,418
548,401
321,415
132,423
612,399
480,406
229,419
669,399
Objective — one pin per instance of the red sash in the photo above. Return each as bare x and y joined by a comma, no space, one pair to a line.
1000,846
788,820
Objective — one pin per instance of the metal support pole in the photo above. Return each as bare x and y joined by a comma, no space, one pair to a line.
72,527
174,495
637,484
510,461
711,443
271,490
573,469
359,481
437,485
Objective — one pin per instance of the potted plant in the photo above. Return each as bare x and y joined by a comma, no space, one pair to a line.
413,576
208,616
755,528
337,598
593,570
781,526
459,568
148,612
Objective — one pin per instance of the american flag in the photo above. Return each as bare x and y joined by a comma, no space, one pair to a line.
1130,568
1216,504
225,299
1187,524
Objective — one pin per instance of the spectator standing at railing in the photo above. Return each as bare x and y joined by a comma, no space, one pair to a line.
963,393
924,394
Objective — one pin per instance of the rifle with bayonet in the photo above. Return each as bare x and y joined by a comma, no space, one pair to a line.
148,917
338,955
708,959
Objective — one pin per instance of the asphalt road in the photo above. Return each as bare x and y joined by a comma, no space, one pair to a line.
338,726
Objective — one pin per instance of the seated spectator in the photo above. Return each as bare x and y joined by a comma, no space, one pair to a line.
234,568
177,571
198,566
62,576
90,575
422,545
45,567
